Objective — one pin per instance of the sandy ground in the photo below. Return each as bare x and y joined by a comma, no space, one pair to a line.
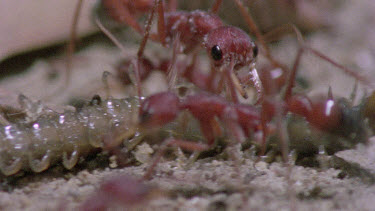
211,183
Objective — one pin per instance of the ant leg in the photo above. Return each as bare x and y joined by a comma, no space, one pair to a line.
174,73
161,34
364,79
161,22
194,74
272,104
135,62
254,29
292,75
147,31
122,14
281,131
136,69
169,142
216,6
230,120
172,5
72,41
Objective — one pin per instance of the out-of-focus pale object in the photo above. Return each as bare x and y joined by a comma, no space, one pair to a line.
28,24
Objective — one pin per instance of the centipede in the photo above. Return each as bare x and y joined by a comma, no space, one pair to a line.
35,144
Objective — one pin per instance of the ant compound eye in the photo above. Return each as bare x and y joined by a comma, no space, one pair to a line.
216,53
255,51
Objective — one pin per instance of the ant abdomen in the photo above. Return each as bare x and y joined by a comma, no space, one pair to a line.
331,116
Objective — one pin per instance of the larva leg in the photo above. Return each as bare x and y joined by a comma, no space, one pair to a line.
39,165
71,161
14,144
12,168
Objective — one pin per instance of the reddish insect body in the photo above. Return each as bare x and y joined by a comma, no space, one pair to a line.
229,47
239,120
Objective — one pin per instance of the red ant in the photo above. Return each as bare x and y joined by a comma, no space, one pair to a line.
207,108
189,29
239,120
229,47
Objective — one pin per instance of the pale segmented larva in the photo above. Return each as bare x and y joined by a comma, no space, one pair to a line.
54,137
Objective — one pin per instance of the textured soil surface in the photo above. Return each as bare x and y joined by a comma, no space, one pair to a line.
212,183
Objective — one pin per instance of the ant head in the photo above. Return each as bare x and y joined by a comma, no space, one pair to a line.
158,110
228,43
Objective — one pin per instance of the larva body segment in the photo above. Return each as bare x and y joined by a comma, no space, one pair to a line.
67,136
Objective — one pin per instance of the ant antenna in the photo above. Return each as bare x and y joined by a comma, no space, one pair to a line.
72,41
